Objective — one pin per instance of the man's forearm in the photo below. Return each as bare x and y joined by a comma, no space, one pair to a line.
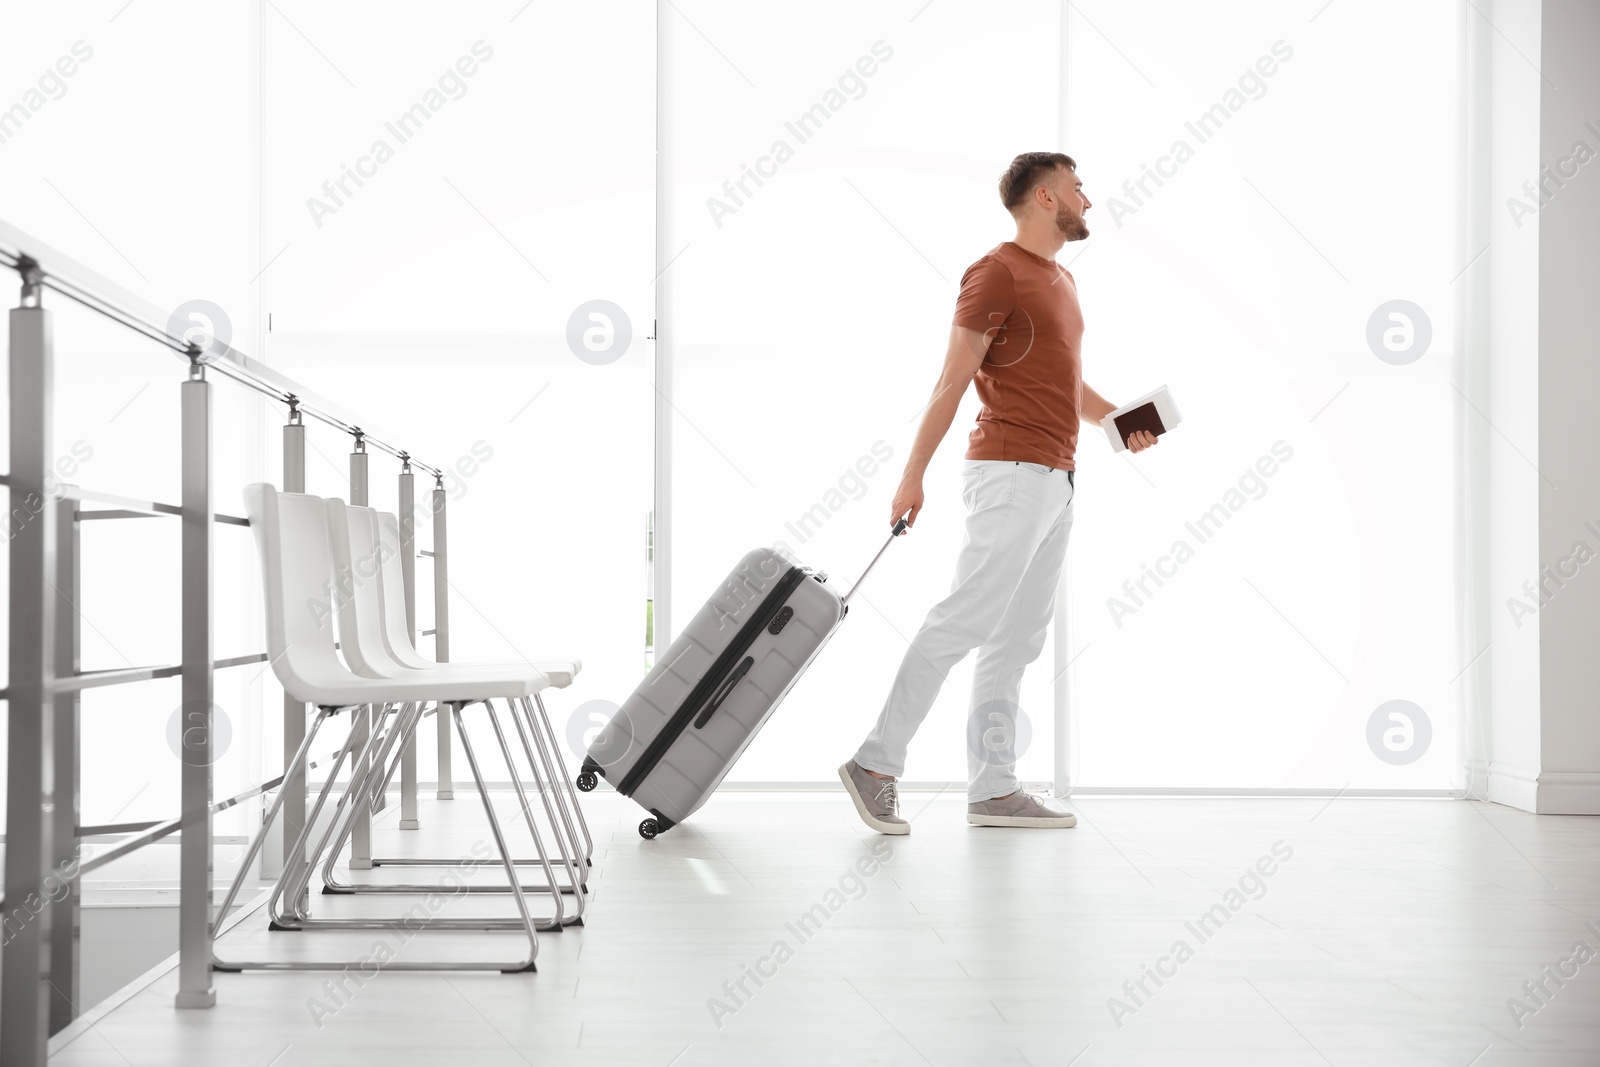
961,362
1093,407
936,420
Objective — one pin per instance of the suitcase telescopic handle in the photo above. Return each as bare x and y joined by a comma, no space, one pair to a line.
899,528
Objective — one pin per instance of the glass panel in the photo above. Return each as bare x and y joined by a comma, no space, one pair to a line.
445,198
1249,596
828,196
135,158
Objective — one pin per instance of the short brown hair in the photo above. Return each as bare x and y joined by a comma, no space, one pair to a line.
1026,172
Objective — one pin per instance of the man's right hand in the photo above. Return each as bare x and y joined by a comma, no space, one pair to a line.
907,498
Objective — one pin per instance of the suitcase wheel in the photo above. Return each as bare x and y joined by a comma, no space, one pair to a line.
587,781
649,828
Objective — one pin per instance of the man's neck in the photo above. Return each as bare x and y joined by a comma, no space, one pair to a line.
1042,243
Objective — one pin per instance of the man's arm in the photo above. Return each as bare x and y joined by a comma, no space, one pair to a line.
1094,407
961,362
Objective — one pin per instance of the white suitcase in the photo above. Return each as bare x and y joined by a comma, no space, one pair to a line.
675,739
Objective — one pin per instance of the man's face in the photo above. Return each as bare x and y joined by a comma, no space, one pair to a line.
1067,191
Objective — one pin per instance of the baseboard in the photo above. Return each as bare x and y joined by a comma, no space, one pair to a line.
1547,792
1569,793
958,788
1265,792
1513,786
1477,785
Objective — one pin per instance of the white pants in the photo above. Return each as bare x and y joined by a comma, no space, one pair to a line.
1019,518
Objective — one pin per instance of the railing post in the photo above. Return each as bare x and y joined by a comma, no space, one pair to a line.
65,791
441,622
441,576
293,816
25,963
361,831
408,569
194,850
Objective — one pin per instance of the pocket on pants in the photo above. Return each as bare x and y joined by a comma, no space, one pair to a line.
971,478
1037,468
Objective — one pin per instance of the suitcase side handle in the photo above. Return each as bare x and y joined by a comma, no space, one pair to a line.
723,690
899,528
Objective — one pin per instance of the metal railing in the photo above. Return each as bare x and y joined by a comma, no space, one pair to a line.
39,966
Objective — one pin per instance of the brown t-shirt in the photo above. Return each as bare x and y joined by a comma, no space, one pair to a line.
1031,378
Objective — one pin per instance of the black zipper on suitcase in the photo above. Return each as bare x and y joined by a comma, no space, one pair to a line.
711,680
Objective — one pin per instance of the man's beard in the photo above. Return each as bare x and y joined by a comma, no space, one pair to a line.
1073,229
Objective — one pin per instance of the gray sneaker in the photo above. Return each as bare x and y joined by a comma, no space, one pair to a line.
876,800
1020,809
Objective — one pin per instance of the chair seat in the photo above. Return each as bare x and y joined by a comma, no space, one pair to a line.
557,673
428,686
561,672
501,672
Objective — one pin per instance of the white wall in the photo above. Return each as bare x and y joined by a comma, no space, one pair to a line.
1511,407
1543,270
1569,384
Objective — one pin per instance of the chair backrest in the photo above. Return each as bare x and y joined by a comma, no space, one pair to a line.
392,591
357,560
291,535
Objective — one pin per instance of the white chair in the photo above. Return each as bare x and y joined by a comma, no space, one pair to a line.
397,640
292,537
357,556
396,633
352,601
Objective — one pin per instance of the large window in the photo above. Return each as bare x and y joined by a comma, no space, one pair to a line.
827,198
134,158
447,222
450,200
1244,599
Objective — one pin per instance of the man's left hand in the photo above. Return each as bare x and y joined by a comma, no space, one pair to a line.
1140,440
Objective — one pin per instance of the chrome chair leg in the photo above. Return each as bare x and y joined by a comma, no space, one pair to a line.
363,777
527,813
499,838
331,883
341,824
410,922
561,766
295,880
560,823
566,794
293,776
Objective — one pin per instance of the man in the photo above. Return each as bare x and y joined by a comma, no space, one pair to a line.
1016,333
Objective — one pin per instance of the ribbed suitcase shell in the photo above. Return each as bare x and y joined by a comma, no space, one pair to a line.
697,760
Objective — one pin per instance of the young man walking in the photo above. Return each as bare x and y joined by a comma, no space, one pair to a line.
1016,334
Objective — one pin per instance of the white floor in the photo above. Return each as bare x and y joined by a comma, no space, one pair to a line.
1394,933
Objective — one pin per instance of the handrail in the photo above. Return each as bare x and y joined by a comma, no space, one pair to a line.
122,675
151,832
156,831
46,680
62,274
128,507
